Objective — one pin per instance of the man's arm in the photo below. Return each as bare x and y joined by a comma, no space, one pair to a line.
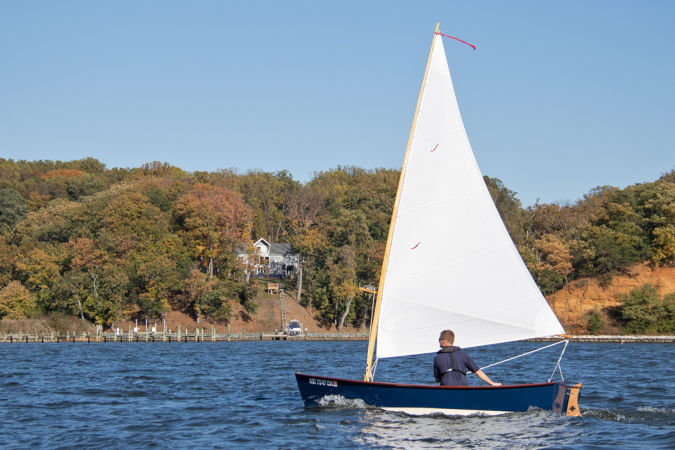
480,374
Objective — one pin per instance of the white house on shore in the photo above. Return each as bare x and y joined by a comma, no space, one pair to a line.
276,259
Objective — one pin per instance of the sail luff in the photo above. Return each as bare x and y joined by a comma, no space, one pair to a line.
392,224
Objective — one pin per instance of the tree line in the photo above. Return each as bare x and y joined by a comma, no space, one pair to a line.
106,244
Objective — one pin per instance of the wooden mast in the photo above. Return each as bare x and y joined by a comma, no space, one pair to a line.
376,309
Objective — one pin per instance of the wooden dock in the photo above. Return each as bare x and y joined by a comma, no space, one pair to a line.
194,336
199,335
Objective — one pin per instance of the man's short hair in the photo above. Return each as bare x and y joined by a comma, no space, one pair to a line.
447,335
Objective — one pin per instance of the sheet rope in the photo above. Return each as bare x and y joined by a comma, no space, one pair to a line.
557,365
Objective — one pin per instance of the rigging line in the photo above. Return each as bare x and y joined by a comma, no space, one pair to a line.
372,308
524,354
557,365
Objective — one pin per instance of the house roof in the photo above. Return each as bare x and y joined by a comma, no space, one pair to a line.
281,248
275,248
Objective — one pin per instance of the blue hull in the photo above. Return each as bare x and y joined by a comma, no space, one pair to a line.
424,399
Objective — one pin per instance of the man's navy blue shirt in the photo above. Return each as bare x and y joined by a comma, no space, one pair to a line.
462,362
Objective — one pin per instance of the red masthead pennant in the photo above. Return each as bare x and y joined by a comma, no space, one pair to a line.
457,39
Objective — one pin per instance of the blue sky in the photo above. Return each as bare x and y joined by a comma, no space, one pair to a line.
560,97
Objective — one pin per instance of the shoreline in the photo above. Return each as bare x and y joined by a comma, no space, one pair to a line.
625,339
196,336
236,337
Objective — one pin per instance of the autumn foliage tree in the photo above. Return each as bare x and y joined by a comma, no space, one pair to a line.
16,302
214,218
108,244
553,263
92,261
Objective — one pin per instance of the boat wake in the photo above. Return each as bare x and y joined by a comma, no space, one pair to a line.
649,415
340,402
531,429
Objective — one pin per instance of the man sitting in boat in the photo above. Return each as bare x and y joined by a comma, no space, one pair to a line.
451,363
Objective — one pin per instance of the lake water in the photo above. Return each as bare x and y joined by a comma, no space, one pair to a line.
243,394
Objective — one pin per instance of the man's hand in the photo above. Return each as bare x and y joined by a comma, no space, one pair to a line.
480,374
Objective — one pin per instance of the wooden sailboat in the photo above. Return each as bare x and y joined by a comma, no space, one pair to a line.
449,264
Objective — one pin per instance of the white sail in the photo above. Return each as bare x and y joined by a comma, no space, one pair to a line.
452,264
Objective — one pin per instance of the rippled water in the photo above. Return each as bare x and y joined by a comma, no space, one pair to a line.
243,394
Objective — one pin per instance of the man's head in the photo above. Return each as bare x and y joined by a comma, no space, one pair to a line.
446,338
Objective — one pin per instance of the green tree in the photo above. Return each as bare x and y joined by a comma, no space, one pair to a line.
640,310
160,169
12,208
131,215
508,205
154,277
342,239
96,283
55,223
667,323
304,209
268,195
594,322
608,250
342,287
216,304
